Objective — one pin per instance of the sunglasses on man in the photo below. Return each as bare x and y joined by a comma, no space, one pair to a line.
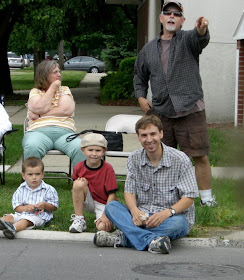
168,13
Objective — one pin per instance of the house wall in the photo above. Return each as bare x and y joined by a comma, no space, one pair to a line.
218,60
240,99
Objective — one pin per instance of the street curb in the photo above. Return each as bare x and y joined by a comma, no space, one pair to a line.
88,237
208,242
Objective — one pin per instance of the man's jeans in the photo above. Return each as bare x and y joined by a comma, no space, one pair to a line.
174,227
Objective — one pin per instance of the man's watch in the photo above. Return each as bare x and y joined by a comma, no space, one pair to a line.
172,210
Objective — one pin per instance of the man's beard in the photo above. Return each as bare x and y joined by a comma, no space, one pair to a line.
170,28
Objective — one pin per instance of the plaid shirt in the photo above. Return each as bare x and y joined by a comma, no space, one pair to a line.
24,195
158,188
181,88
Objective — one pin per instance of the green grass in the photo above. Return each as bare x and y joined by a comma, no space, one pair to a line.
24,79
226,147
228,214
72,79
13,145
230,210
61,221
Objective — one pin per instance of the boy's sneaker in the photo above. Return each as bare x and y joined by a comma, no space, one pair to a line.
160,245
210,203
8,229
108,239
78,225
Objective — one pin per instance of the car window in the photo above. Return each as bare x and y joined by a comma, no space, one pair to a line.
87,59
13,55
74,60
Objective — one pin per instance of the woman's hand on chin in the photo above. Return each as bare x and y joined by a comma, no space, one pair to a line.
55,85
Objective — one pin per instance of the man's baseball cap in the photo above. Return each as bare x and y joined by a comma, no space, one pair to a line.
173,3
94,139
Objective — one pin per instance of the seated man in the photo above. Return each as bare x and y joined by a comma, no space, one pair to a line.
159,193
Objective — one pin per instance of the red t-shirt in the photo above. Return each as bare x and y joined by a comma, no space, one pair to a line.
101,180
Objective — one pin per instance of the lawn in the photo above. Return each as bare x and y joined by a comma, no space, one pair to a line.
228,214
227,149
13,140
226,146
23,79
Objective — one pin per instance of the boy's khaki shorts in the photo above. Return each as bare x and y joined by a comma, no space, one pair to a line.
93,206
189,132
37,222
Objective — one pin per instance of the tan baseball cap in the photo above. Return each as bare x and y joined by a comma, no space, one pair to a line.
94,139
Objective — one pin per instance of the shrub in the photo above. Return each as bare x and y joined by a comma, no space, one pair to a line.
103,81
127,65
118,85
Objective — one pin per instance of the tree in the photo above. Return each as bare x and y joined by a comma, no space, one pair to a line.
9,14
122,42
102,27
38,22
42,29
88,25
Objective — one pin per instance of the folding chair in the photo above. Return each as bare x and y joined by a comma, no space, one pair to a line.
2,142
53,153
121,123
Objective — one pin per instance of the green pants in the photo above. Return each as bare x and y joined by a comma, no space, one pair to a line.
37,142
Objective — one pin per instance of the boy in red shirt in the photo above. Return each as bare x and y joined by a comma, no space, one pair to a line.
94,184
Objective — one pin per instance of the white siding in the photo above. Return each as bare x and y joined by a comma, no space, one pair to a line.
218,61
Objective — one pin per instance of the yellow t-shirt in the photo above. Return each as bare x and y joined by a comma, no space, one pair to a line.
64,122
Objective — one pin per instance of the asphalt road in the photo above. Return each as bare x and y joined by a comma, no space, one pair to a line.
41,259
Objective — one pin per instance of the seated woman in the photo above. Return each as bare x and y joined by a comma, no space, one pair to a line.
50,112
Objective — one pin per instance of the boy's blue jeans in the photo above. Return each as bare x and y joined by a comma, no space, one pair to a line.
174,227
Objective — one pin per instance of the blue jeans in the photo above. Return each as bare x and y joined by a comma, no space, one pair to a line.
37,142
140,237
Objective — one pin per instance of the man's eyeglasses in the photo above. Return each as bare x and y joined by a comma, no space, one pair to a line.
168,13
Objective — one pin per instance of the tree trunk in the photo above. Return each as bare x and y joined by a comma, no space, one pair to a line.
74,50
8,17
5,80
61,54
39,56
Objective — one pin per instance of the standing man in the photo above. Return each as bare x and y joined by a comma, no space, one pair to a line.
159,193
171,63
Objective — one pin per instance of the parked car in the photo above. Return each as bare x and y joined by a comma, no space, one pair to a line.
56,57
15,60
48,56
26,60
31,57
85,63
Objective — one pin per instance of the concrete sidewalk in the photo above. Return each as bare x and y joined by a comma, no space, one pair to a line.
91,115
88,115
